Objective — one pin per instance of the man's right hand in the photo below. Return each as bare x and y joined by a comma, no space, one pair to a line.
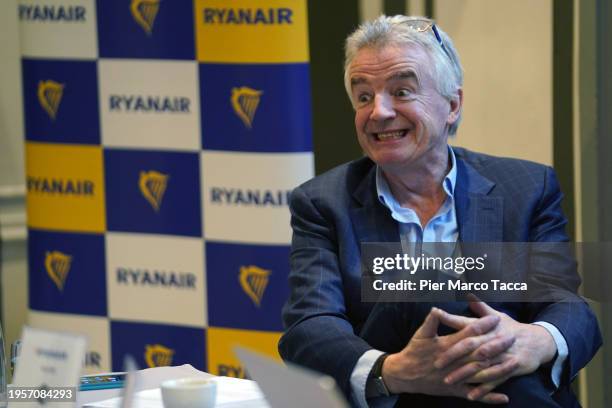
412,370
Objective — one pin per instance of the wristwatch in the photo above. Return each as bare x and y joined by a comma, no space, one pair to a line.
375,385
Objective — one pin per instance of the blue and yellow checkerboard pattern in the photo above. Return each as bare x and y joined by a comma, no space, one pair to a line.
162,141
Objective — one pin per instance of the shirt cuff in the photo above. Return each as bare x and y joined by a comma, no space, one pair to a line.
562,352
359,378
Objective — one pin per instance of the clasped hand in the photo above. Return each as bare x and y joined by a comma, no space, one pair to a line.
470,363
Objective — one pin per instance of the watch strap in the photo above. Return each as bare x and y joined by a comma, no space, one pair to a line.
375,385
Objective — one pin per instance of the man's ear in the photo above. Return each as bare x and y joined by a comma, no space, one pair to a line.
456,104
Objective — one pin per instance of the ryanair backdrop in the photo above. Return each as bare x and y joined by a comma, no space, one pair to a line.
163,138
221,357
247,285
61,101
258,108
156,278
159,29
156,345
67,273
248,200
65,188
143,102
243,31
153,192
58,29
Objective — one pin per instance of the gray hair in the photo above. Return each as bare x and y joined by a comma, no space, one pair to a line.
384,31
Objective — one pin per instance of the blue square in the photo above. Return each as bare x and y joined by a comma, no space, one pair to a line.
153,192
247,285
256,108
67,272
154,345
61,101
162,31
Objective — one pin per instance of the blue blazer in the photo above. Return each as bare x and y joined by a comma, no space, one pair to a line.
496,199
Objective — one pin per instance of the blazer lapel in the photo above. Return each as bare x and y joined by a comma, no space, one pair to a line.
372,221
480,216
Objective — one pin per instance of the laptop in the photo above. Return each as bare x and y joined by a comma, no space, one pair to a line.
290,385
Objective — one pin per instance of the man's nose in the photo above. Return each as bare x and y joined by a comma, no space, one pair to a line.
383,108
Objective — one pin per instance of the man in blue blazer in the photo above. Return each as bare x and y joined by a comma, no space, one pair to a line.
404,80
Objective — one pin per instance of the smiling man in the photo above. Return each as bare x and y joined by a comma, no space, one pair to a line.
404,80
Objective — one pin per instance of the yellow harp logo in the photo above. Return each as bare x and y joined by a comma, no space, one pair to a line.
254,281
153,186
245,101
50,95
144,13
157,355
57,265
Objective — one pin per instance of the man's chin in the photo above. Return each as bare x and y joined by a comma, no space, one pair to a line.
393,158
391,164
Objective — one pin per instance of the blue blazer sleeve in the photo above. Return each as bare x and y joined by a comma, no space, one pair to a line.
318,332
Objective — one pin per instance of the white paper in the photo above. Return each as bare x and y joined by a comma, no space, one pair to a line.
52,359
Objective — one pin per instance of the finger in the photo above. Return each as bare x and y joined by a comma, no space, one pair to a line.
495,398
482,390
463,348
481,308
466,371
495,347
477,327
495,372
454,321
490,398
467,340
429,328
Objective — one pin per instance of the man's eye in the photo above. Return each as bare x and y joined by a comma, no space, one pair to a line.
364,98
402,92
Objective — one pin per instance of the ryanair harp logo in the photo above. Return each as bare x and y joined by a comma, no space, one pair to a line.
57,265
50,95
153,186
157,355
245,101
254,281
144,13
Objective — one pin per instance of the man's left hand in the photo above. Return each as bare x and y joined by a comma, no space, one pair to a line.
481,364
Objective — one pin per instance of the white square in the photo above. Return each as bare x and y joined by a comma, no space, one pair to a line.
149,104
58,28
95,329
156,278
245,195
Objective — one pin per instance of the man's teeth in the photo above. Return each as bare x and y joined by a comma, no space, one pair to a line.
390,135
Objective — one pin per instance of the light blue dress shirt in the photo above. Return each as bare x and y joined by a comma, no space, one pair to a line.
442,227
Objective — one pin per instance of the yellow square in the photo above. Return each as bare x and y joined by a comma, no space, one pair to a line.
221,358
65,187
251,31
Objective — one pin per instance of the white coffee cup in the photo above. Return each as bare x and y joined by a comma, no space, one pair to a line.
189,393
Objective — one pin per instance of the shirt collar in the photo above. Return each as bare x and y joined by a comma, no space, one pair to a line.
384,191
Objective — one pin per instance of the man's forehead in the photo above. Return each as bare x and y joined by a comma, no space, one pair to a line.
389,62
408,51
